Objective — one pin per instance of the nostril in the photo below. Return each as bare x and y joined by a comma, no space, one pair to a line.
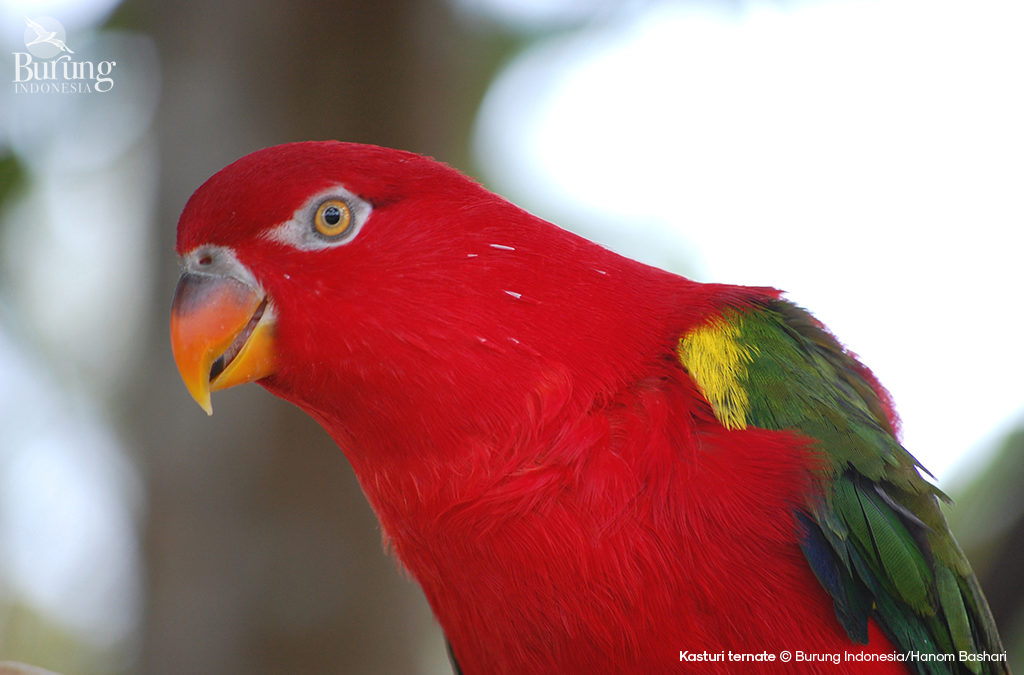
206,260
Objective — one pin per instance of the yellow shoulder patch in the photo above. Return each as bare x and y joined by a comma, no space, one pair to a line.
717,361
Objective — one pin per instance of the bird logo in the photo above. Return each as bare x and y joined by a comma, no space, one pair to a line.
44,37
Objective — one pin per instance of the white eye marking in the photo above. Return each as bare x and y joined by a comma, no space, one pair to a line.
300,231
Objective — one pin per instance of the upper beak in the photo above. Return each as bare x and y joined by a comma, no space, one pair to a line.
222,329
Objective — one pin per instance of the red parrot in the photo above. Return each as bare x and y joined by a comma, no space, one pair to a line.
590,465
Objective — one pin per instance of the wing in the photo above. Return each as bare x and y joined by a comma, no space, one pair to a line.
874,535
36,27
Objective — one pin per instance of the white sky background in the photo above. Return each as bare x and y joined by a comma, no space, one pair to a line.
864,156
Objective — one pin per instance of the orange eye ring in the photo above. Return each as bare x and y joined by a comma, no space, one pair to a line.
333,218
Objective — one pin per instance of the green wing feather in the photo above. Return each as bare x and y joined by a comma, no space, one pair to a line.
876,537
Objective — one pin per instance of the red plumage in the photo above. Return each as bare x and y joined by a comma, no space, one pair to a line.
510,398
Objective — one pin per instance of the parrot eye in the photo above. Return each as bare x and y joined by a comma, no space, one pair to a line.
333,218
330,218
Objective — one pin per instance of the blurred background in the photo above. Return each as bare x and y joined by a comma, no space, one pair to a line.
865,156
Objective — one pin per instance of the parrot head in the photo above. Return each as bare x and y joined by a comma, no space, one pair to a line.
298,259
279,224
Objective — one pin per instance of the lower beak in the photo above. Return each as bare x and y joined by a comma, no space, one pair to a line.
222,334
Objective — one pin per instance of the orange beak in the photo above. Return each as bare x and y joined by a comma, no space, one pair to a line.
222,334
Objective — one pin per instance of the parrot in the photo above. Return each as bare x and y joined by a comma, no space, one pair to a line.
588,464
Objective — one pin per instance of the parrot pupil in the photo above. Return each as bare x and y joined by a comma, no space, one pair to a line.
332,215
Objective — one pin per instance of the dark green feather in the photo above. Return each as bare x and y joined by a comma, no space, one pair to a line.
952,603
